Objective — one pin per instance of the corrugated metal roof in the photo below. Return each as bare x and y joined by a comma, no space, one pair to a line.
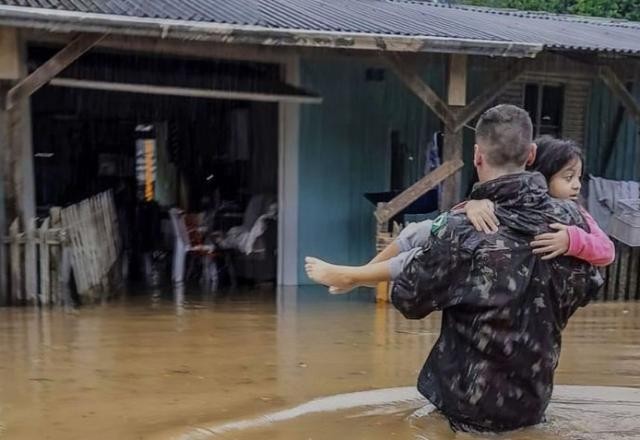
382,17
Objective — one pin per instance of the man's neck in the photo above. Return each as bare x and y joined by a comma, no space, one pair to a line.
494,173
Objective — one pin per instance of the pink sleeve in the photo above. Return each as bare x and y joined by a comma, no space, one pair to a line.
594,247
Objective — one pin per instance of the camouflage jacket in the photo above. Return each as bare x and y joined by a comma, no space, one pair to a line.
503,307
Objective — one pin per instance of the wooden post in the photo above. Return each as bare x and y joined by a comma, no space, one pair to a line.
4,285
20,151
4,172
45,284
56,258
452,150
457,90
484,99
30,264
9,71
64,280
382,291
16,130
9,59
16,266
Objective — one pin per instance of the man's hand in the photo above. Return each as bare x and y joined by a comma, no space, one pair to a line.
481,214
552,244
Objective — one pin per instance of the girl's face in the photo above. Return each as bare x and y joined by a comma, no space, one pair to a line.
565,184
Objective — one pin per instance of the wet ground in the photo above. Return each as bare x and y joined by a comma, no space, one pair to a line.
291,365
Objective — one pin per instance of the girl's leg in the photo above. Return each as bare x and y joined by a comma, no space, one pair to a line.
342,279
412,236
383,267
346,277
415,235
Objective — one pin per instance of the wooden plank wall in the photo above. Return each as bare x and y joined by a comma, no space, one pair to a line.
576,100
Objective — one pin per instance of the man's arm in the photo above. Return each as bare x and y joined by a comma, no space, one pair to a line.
427,282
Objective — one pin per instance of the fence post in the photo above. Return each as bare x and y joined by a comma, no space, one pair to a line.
45,285
30,265
4,266
64,280
16,275
56,255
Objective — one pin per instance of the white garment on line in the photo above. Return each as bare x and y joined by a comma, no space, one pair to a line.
604,195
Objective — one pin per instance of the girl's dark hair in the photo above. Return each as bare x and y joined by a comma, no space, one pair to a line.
554,154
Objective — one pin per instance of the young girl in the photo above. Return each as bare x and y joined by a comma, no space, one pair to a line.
559,161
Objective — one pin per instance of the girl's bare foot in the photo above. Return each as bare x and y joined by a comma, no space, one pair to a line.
327,274
340,290
346,289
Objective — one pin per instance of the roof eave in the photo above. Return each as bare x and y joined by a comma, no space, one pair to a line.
68,21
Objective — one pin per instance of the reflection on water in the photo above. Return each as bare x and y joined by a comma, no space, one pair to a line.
159,366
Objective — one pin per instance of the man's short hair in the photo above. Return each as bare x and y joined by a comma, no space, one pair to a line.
506,133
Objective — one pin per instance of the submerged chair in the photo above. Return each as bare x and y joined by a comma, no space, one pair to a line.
253,245
184,245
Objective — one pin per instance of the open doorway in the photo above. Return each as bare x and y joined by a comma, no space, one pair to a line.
214,158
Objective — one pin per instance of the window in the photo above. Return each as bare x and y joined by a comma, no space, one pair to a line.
545,106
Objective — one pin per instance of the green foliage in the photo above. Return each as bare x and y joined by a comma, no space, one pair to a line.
627,9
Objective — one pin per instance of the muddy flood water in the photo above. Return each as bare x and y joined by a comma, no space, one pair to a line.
296,364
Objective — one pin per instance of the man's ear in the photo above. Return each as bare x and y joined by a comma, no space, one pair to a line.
477,156
532,155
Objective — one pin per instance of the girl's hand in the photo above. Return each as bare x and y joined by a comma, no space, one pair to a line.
553,244
481,214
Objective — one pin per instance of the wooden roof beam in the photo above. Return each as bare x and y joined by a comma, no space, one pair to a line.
407,72
56,64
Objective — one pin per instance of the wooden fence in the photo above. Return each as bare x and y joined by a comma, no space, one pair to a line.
35,257
622,278
81,239
94,241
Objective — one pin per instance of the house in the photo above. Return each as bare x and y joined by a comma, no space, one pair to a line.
316,102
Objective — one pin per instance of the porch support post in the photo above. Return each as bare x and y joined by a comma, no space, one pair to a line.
452,150
10,68
482,101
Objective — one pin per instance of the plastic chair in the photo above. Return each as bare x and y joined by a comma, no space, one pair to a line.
184,245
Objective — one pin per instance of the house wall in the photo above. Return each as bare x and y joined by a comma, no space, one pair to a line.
344,143
344,152
624,163
589,108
